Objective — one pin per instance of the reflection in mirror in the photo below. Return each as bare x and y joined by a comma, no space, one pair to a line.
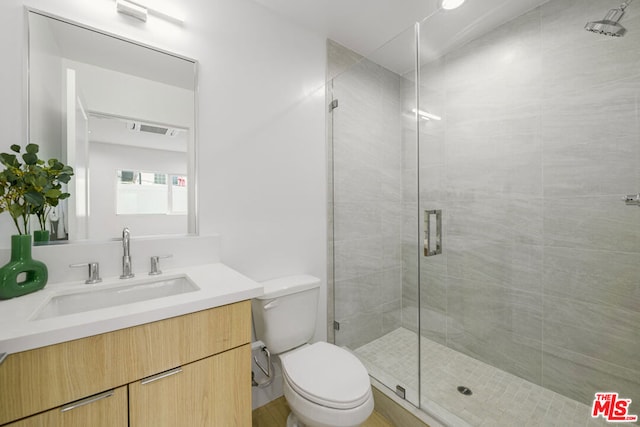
118,113
141,193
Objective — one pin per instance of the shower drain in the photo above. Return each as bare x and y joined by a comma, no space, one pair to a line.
465,390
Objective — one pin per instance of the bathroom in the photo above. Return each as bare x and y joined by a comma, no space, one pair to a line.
527,227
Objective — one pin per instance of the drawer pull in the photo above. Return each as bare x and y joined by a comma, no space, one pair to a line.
161,375
86,401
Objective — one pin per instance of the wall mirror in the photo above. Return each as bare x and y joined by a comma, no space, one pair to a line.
123,116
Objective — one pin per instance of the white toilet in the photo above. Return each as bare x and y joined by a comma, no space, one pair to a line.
325,385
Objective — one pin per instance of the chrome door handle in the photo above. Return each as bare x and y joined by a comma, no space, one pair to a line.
431,249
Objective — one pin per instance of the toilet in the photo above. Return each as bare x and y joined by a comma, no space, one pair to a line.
325,385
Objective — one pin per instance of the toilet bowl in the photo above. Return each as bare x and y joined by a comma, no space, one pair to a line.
325,385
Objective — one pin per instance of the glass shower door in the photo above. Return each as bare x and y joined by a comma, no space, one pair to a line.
374,234
533,305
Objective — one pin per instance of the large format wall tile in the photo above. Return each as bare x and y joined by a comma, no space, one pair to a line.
361,294
357,258
433,282
580,377
359,329
357,220
592,159
341,59
487,310
595,276
506,219
501,263
592,223
612,330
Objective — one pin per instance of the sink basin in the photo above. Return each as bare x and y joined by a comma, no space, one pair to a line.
78,302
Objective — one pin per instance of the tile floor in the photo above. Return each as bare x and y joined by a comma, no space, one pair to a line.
498,399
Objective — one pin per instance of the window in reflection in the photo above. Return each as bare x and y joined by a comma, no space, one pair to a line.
151,193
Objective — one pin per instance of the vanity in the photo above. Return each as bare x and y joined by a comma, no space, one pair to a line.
168,361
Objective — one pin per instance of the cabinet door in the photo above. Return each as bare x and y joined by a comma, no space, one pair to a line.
215,391
108,409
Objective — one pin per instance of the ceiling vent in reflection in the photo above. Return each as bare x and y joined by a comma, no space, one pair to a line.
155,129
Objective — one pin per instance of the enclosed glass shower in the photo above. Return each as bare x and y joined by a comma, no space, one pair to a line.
485,257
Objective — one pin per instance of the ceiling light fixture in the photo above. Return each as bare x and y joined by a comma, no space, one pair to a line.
451,4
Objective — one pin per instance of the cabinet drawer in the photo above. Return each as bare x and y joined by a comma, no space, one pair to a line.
106,410
36,380
213,392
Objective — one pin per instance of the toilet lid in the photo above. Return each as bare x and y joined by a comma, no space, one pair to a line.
327,375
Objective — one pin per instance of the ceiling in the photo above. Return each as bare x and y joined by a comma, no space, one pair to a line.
114,130
92,47
366,25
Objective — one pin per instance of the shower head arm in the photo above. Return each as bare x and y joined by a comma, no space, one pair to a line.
624,5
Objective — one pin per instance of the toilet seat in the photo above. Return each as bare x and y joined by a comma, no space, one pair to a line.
327,375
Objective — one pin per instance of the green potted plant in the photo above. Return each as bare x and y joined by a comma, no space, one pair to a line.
51,175
29,188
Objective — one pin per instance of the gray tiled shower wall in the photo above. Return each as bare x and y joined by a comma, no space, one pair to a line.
540,138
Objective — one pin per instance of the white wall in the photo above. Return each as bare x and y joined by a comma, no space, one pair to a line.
261,158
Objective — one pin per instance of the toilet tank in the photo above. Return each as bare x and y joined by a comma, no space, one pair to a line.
285,316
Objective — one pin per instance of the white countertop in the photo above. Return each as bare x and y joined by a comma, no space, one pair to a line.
219,285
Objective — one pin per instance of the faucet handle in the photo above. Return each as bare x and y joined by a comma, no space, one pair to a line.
155,264
94,271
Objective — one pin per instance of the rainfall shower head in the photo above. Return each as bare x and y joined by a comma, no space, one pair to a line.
609,26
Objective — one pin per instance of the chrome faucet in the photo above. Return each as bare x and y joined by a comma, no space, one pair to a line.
126,257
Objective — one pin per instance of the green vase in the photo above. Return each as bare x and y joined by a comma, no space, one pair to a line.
40,237
22,274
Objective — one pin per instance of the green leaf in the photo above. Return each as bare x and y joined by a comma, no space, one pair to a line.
8,160
64,178
53,193
32,148
30,158
15,148
34,198
16,210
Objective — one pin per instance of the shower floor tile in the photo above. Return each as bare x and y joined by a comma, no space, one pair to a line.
498,399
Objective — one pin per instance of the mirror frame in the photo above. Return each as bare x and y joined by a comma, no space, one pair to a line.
193,222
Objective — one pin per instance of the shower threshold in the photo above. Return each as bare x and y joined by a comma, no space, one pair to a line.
498,399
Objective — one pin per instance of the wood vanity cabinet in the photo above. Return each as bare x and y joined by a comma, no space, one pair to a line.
191,370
